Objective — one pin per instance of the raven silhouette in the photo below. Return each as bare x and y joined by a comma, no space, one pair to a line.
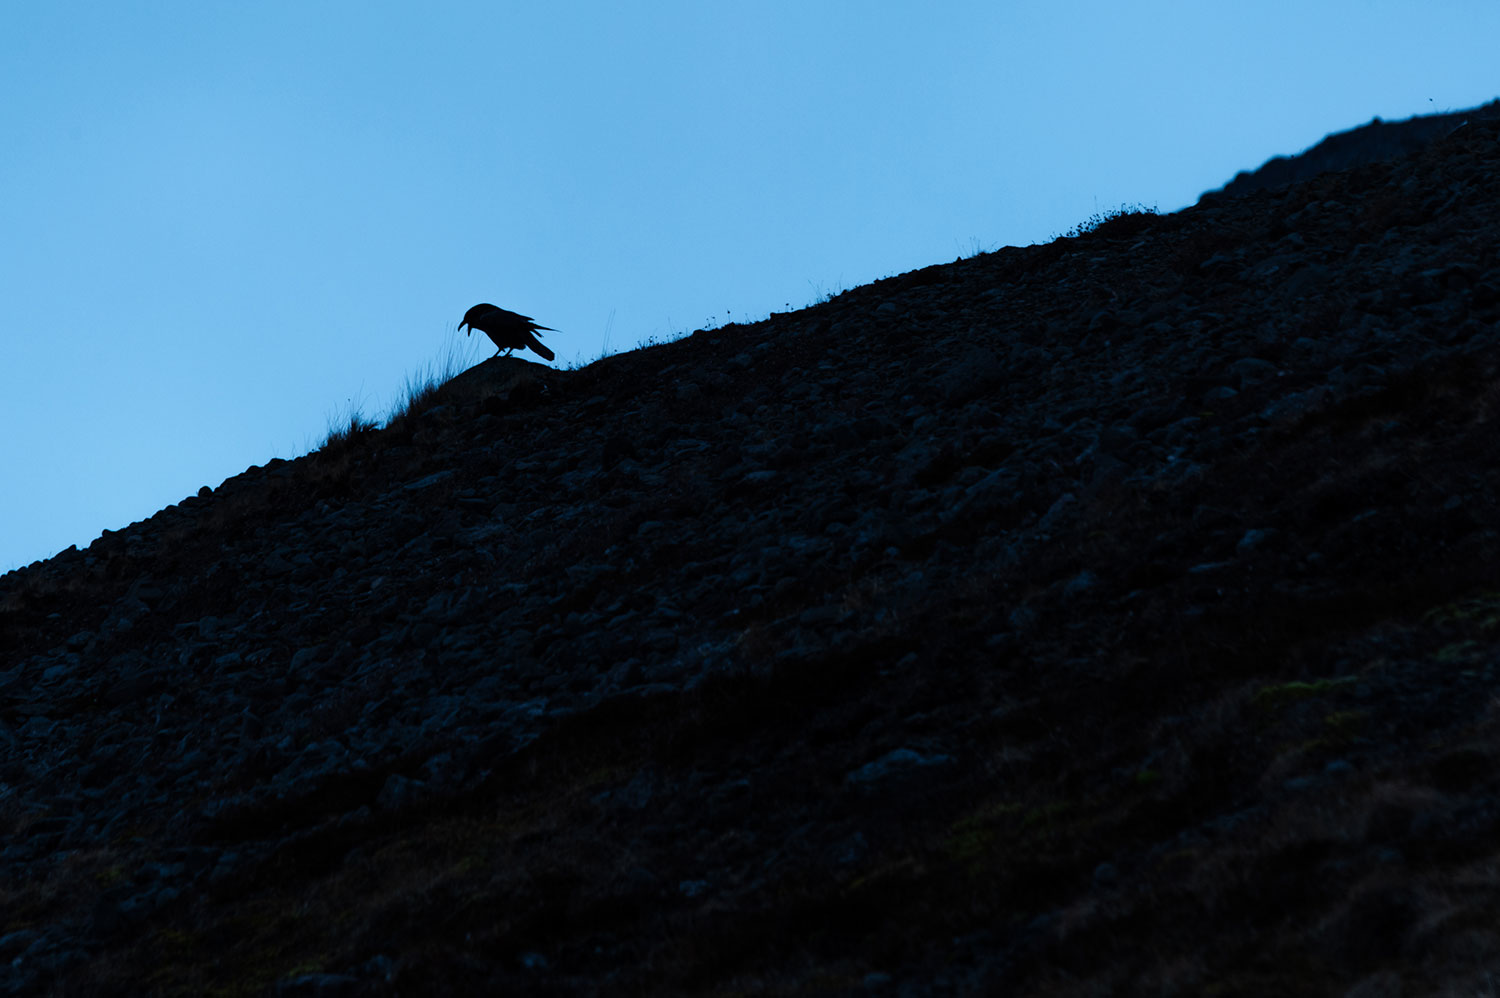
509,330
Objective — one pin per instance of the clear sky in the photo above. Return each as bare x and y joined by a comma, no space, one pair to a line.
222,225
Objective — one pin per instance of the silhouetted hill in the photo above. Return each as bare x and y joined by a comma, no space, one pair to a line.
1370,143
1114,616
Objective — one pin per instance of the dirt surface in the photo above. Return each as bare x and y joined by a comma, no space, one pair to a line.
1114,616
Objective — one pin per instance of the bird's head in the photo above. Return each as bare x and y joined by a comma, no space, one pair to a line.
473,314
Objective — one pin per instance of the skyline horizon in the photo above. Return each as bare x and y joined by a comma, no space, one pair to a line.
459,355
227,229
469,352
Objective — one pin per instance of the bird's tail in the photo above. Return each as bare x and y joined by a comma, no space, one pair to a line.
540,348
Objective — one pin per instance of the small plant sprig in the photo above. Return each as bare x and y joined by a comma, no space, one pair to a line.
1126,220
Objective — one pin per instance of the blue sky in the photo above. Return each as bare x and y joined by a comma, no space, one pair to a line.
222,225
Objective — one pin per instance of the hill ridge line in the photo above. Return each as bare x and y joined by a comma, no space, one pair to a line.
1114,614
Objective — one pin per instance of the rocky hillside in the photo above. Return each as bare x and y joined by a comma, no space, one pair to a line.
1114,616
1369,143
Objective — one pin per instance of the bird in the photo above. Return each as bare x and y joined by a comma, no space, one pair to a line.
509,330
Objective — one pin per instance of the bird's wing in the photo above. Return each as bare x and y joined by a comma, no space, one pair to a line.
506,319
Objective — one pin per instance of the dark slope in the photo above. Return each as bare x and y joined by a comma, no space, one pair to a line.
1113,616
1373,142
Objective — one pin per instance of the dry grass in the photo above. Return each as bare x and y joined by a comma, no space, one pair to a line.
457,356
416,396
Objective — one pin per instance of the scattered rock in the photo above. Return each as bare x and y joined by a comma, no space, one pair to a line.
577,654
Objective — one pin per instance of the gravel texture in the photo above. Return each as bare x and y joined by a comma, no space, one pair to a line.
1117,615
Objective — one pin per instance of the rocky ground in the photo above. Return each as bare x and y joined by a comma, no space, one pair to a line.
1114,616
1373,142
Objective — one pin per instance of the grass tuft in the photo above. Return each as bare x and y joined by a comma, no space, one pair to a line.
345,430
1115,223
416,396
